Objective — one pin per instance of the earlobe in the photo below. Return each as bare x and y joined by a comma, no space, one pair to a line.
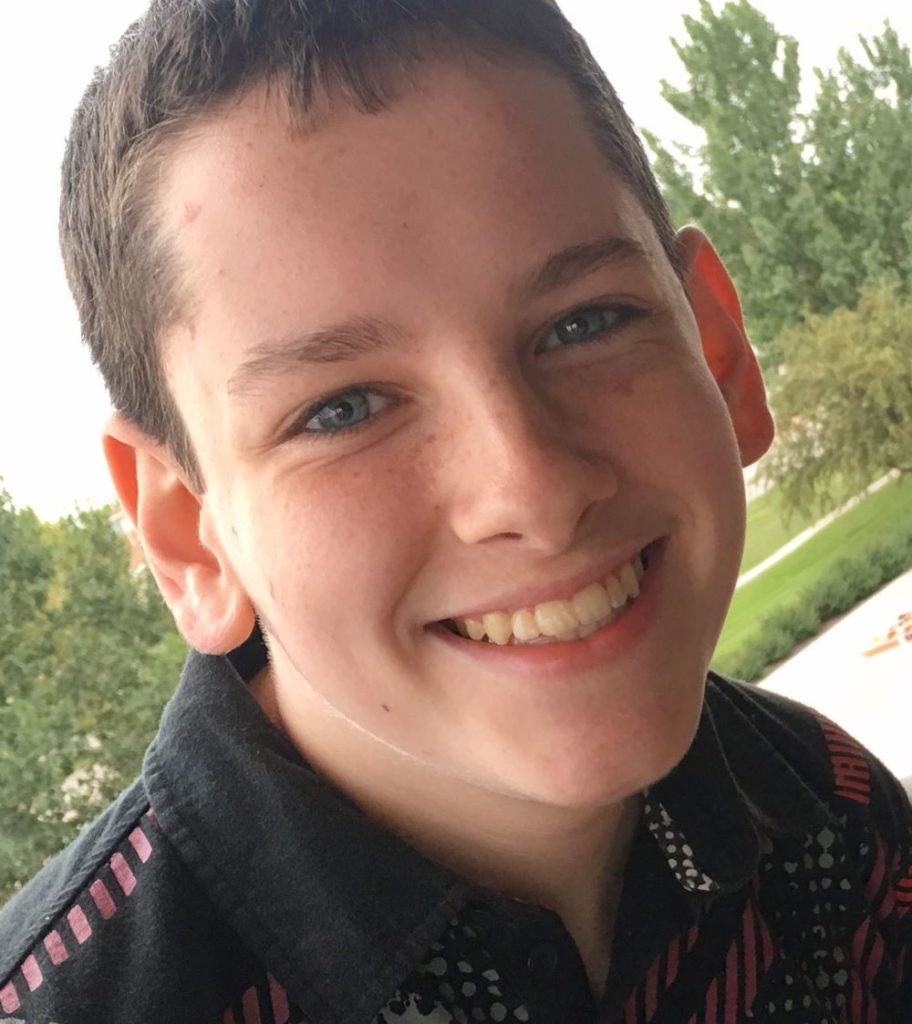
193,573
728,353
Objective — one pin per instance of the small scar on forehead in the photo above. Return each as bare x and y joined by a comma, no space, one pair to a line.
191,212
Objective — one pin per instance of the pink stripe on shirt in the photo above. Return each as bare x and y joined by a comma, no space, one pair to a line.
106,905
122,872
279,999
57,951
79,923
9,998
140,844
251,1006
32,973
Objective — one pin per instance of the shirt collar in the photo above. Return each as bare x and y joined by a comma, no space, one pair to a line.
267,839
717,812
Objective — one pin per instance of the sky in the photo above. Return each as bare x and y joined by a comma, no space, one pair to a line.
52,403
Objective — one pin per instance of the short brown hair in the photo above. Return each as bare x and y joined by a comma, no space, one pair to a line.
184,59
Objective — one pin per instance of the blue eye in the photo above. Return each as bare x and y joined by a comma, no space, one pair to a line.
342,413
588,324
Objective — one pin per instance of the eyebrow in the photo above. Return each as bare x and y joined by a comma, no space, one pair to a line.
350,339
577,261
338,343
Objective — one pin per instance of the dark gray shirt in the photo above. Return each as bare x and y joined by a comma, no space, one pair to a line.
768,882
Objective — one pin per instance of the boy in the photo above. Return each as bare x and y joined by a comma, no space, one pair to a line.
433,430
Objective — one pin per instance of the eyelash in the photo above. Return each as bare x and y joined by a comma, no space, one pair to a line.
624,313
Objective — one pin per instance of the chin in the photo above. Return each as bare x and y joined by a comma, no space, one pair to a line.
599,773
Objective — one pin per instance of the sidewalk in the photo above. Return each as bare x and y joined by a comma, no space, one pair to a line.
870,697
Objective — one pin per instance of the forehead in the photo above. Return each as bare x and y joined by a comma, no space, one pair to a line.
471,176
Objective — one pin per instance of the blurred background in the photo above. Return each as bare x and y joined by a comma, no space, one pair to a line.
783,129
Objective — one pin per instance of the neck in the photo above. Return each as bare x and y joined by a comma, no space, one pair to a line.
567,859
570,861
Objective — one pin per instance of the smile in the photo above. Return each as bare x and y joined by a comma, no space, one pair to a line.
554,622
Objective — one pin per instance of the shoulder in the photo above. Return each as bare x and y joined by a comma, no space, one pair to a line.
837,884
115,929
25,916
863,832
778,743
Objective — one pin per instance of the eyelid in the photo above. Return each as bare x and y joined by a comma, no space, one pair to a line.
621,305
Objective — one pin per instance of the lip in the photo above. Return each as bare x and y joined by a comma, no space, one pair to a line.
571,657
528,597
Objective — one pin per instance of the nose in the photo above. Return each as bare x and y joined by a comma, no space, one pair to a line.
524,470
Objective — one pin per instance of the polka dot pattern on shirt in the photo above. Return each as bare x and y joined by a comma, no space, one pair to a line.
676,849
456,982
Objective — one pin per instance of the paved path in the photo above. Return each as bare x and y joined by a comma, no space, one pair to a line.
870,697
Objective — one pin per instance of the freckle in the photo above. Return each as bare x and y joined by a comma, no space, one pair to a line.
624,388
385,707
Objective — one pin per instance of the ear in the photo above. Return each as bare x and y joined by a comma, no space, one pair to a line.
177,532
727,351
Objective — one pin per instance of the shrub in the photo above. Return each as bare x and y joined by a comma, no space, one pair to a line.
848,582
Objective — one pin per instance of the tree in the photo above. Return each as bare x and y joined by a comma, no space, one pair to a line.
805,209
89,657
859,138
26,570
844,401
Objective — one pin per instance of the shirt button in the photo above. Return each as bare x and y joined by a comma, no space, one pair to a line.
543,959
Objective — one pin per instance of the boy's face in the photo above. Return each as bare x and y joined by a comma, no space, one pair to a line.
524,425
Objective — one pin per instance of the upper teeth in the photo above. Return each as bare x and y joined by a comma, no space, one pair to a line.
585,612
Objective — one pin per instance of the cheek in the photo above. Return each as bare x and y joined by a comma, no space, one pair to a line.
681,441
683,419
335,545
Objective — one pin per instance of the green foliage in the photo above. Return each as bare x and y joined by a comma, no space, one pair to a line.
26,570
846,582
804,208
89,655
860,135
843,402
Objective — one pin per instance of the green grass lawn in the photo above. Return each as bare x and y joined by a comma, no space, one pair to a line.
870,522
766,531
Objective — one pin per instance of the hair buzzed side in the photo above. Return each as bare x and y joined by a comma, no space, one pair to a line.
182,61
